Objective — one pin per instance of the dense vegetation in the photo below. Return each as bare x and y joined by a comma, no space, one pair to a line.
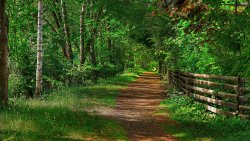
51,48
205,38
115,36
102,49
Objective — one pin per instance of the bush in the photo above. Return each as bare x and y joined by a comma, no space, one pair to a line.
80,74
16,85
107,70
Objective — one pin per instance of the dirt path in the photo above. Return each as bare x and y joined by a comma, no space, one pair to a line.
136,107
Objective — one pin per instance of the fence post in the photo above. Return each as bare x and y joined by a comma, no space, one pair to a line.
191,83
180,86
173,74
178,79
240,84
185,82
188,83
169,78
170,75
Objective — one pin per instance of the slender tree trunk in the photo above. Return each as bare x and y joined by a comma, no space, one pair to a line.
58,20
91,41
92,53
56,13
58,24
96,18
82,34
91,47
56,4
3,56
109,43
66,32
39,50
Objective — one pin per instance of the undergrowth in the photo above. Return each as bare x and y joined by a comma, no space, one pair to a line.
194,123
61,114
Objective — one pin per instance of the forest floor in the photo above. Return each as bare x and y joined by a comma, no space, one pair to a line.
61,114
137,110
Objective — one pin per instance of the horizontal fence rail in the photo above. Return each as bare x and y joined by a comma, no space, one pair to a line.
225,95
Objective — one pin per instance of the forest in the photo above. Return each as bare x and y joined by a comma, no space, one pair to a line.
60,58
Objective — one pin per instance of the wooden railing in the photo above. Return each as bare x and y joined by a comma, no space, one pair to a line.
220,94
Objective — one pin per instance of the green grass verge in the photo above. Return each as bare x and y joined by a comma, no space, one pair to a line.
194,123
61,116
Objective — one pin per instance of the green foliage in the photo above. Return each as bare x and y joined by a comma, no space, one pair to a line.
195,123
199,37
57,70
60,116
80,74
108,70
16,85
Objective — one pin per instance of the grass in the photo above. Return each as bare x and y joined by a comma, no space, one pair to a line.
194,123
60,115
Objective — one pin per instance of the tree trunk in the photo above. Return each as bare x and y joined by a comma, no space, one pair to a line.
109,43
56,14
96,18
82,34
3,56
91,41
92,50
39,50
66,32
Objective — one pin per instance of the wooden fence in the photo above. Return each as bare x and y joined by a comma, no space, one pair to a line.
220,94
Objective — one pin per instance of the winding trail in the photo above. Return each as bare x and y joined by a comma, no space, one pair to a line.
136,109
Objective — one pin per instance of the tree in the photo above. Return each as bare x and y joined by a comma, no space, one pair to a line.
66,32
109,42
39,50
3,55
82,34
57,16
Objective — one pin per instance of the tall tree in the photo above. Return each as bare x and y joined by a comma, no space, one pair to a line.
96,17
3,56
109,42
82,34
93,30
39,50
66,32
57,16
